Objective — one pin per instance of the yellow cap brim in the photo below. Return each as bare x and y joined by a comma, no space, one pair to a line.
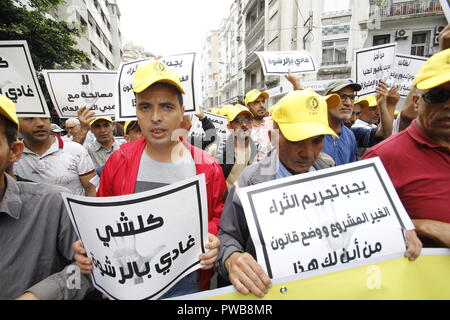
333,100
434,81
232,117
100,118
303,130
141,87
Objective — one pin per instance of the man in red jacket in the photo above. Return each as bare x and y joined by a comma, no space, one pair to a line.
160,158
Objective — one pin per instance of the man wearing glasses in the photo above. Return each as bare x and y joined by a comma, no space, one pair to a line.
418,158
239,150
344,149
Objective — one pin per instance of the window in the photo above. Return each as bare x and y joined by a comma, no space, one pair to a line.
381,39
336,5
419,43
334,52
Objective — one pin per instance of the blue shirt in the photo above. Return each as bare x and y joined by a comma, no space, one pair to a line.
283,172
342,150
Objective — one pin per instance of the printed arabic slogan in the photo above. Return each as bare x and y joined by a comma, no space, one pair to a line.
323,219
72,89
182,64
405,68
142,244
18,80
280,62
220,123
372,65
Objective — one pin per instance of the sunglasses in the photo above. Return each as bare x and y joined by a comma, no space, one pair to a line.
436,96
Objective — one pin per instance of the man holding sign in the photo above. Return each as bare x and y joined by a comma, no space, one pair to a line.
160,158
301,117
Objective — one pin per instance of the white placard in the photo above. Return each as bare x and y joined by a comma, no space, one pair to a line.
72,89
324,219
280,62
220,123
405,69
372,65
182,64
445,4
18,80
142,244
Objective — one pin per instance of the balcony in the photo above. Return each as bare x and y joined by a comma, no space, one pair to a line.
407,9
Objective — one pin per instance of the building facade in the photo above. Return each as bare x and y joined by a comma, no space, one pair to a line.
329,29
100,24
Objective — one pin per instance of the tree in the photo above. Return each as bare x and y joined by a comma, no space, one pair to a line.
51,42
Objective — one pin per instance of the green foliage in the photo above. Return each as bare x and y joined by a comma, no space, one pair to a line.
51,42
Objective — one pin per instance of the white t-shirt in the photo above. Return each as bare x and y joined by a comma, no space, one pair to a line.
62,164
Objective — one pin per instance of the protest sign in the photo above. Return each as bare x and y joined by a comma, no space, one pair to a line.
326,218
72,89
372,65
182,64
280,62
445,4
395,278
142,244
220,122
405,69
18,80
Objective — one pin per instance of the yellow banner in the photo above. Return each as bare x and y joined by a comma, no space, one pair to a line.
426,278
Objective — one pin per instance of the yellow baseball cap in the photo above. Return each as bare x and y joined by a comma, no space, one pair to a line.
8,109
215,110
302,114
252,95
368,101
237,109
152,72
223,111
333,100
434,72
100,118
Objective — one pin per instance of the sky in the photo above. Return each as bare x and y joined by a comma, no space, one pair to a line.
167,27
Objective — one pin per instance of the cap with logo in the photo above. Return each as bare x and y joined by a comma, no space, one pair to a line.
367,101
8,109
236,110
254,94
153,72
434,72
302,114
100,118
337,85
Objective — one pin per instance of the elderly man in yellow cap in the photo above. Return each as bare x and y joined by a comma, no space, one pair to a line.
300,124
255,101
369,116
105,144
239,150
50,159
161,158
418,158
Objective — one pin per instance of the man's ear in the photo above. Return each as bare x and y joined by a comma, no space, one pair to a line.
416,98
16,150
